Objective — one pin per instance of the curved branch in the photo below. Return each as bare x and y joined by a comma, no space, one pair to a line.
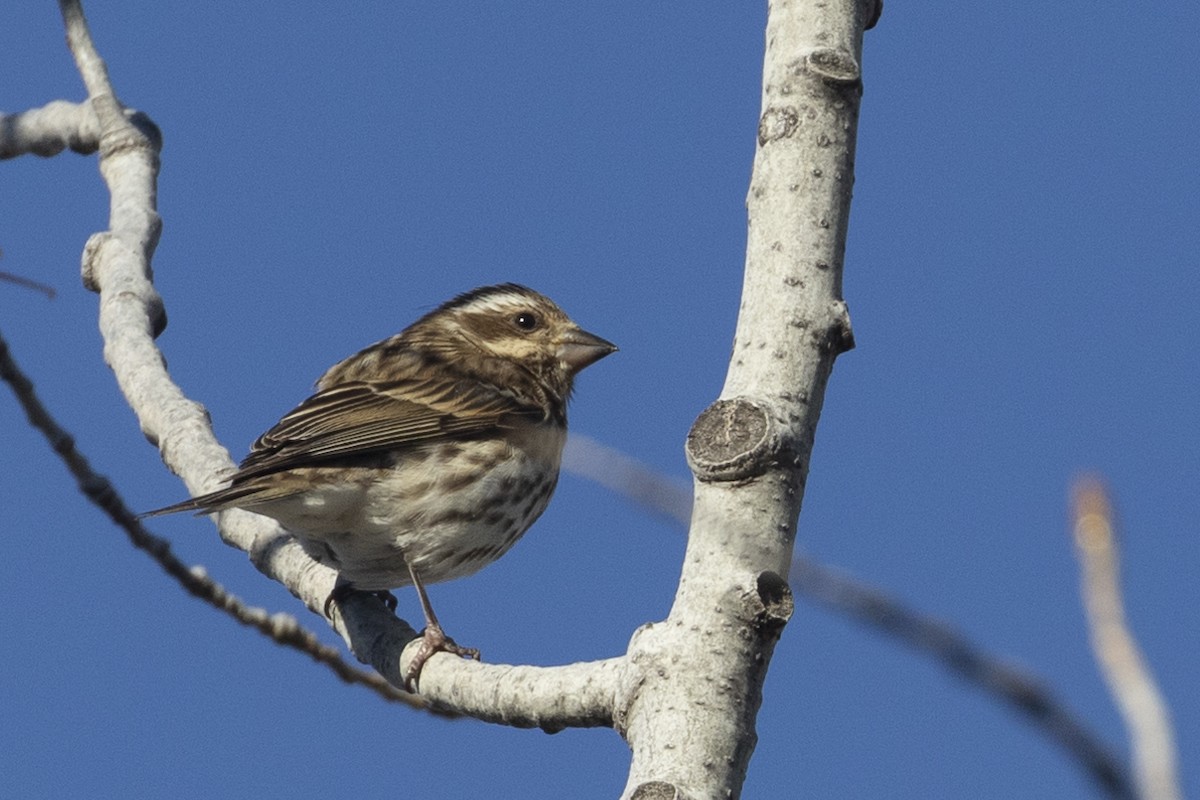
116,263
551,698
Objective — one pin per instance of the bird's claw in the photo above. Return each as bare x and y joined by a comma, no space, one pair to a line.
434,640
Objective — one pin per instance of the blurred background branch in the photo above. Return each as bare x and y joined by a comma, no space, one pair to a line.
1121,661
28,284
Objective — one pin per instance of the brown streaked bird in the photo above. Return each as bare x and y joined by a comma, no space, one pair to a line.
424,457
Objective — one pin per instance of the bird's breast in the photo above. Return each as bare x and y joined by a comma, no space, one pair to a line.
449,509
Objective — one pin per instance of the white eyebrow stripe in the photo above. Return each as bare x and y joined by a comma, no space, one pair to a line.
504,302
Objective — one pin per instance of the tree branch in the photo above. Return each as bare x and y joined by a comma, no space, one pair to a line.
29,283
690,717
58,126
1125,669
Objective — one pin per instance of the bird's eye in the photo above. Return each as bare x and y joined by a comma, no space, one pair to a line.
526,320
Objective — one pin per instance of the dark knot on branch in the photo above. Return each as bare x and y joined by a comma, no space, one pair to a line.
731,440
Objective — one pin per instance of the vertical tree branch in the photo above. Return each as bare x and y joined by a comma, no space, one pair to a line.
690,716
1154,762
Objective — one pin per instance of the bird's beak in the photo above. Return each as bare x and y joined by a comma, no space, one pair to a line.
578,348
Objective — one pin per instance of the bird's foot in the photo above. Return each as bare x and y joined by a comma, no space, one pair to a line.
434,640
343,590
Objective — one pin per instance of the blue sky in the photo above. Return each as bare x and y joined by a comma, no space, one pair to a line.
1020,273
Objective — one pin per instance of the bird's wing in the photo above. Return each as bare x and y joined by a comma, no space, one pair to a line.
357,418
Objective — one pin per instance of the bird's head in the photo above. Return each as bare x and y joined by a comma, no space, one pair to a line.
518,325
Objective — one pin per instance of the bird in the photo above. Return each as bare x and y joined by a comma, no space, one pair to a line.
423,457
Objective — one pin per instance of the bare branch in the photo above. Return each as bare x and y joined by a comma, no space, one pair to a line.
87,60
58,126
551,698
749,451
1125,669
116,263
284,629
49,130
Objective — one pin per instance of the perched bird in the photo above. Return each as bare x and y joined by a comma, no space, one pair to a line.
424,457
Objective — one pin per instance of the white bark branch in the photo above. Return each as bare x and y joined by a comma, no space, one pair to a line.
1155,765
689,716
49,130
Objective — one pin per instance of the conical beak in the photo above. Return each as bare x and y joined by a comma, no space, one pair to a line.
579,348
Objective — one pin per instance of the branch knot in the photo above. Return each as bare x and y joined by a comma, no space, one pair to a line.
777,602
777,123
658,790
834,65
731,440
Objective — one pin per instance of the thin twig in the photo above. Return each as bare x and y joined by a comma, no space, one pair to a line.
87,59
28,283
1125,669
283,629
849,596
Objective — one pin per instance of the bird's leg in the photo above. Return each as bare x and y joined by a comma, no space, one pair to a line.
433,638
342,590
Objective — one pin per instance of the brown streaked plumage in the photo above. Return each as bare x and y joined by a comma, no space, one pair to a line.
425,456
